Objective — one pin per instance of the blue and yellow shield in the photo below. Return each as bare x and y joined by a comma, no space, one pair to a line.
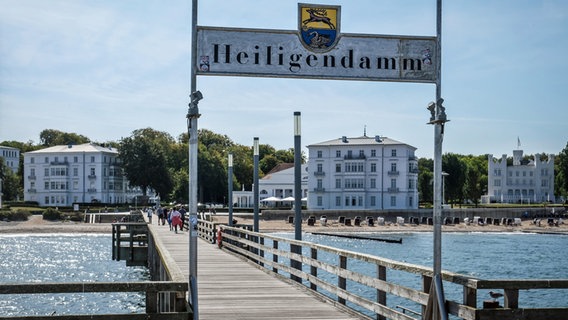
318,26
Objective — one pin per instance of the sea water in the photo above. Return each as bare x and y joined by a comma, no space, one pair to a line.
481,255
41,258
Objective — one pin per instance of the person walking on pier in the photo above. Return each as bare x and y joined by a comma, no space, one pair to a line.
182,213
149,212
167,216
161,215
176,219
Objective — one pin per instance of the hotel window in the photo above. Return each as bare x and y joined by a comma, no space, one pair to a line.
338,201
338,153
361,153
320,184
393,167
373,167
46,172
46,159
92,159
338,167
92,171
393,201
393,183
411,202
320,154
75,159
320,167
373,183
46,185
320,201
373,153
393,153
32,160
337,183
75,172
373,201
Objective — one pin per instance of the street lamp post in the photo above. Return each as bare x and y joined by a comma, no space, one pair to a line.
255,182
297,194
230,184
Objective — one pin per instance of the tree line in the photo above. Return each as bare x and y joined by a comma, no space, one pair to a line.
154,160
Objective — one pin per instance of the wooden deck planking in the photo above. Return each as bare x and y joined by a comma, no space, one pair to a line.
230,288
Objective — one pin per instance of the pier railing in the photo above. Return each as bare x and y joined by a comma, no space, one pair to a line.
153,291
337,275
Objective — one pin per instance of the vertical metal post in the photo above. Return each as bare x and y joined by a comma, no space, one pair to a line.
230,184
438,121
192,116
255,182
297,193
297,177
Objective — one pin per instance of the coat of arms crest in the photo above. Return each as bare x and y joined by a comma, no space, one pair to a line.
318,26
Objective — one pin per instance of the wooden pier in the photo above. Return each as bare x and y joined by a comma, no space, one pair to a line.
229,287
252,277
256,276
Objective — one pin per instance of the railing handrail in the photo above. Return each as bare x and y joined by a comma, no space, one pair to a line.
251,245
91,287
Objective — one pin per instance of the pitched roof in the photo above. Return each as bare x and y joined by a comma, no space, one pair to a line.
86,147
280,167
363,140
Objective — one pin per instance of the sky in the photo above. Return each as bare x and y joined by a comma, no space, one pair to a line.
105,68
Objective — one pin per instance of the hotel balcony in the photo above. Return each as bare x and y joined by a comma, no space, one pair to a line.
33,190
92,176
393,190
393,173
319,189
319,173
31,177
92,190
59,163
354,157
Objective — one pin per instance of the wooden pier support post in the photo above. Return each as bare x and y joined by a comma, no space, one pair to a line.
381,295
314,269
341,281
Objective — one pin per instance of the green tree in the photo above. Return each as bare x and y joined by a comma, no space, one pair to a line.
144,158
561,163
476,177
268,163
11,186
426,180
243,166
454,182
52,137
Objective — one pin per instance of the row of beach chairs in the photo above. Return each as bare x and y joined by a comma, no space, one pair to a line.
372,221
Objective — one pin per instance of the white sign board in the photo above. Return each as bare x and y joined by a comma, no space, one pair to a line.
279,53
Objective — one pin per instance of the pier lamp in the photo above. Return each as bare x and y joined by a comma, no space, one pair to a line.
230,184
297,195
255,182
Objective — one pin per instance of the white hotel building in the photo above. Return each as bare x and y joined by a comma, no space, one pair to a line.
525,181
371,173
63,175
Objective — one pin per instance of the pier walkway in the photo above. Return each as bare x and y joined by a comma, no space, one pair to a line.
231,288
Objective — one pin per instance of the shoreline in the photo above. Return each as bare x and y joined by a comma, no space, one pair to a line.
36,225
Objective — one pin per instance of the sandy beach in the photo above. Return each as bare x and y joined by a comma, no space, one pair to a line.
37,225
